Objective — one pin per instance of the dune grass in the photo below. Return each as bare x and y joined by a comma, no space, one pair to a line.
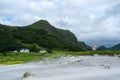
26,75
92,53
19,58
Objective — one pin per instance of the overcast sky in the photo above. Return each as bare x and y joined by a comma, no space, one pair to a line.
96,22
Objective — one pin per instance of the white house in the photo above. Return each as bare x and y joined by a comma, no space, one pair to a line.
15,51
25,50
43,51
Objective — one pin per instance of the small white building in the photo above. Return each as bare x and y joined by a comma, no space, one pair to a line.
25,50
15,51
43,51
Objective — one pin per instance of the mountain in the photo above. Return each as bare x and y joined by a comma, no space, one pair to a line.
115,47
84,47
38,35
102,48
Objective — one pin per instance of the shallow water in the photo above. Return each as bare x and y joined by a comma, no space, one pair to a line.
66,68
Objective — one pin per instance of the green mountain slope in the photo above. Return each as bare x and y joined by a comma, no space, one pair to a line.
84,47
40,34
101,48
115,47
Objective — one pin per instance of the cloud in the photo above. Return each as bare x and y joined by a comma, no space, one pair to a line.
92,21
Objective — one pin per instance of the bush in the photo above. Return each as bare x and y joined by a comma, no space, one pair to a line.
26,75
49,51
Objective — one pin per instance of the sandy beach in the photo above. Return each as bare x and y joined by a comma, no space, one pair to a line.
66,68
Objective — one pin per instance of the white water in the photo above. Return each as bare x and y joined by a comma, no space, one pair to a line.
66,68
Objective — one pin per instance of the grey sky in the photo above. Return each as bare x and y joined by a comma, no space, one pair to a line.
94,21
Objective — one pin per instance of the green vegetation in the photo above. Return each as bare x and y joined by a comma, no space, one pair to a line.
26,75
101,48
92,53
115,47
37,36
11,58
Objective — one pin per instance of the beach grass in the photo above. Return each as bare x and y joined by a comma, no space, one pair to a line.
19,58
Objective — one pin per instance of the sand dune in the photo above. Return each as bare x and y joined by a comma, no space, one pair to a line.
66,68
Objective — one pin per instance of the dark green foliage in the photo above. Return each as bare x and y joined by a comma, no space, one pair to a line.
26,75
49,51
115,47
102,48
84,47
7,41
41,33
33,48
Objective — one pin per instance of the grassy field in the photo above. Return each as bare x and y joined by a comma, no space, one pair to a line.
107,52
10,58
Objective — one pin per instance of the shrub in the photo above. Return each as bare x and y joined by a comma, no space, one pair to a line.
26,75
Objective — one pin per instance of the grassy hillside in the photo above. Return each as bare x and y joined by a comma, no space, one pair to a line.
36,36
115,47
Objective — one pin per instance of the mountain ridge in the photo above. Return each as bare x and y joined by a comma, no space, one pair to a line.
37,35
115,47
